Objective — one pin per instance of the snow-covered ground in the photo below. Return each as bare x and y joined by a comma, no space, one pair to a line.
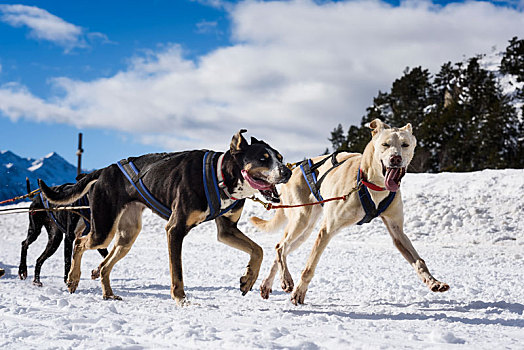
468,227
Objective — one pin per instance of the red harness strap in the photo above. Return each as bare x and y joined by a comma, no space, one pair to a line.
369,184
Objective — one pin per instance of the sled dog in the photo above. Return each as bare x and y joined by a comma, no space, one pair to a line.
383,164
59,225
175,186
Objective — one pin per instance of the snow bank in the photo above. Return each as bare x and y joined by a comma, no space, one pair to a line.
468,227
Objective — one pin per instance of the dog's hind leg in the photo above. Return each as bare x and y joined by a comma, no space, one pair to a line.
95,273
129,226
229,234
73,278
267,283
36,222
297,231
55,238
394,225
299,293
68,251
331,225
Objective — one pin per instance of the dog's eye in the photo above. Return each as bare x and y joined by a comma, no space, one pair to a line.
405,145
385,144
263,159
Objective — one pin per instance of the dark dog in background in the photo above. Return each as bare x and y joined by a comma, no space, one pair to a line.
175,183
59,225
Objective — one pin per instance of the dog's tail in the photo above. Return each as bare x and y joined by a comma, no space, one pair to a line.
272,224
70,193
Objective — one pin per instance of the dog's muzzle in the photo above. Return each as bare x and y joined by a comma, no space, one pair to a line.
267,189
393,173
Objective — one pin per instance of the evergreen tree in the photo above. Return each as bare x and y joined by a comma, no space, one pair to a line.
513,62
513,59
337,138
462,119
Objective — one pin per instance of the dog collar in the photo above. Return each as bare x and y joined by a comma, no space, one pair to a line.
221,179
369,185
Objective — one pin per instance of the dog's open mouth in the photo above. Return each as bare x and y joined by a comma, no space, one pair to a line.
393,177
268,190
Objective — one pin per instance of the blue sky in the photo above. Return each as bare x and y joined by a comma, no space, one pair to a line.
148,76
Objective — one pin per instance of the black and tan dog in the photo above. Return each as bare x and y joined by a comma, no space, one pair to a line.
59,225
175,183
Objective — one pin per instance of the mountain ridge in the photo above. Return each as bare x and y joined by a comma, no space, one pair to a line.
52,168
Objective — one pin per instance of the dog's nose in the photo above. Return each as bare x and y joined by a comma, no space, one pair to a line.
395,161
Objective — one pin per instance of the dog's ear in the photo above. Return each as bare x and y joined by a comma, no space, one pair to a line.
238,142
377,126
255,140
407,128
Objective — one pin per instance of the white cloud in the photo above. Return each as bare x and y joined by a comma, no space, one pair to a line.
296,69
46,26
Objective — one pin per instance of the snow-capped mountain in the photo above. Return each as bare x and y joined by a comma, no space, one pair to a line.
52,168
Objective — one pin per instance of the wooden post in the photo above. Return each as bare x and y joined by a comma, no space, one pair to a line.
79,154
28,185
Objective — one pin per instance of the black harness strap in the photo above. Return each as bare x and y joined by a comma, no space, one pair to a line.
310,175
368,204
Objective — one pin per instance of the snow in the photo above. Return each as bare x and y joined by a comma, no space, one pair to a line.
467,226
37,164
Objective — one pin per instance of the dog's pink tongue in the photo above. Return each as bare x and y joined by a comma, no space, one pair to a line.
256,184
393,179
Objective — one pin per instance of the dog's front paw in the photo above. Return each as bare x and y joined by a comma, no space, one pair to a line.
72,286
265,291
111,297
247,281
286,282
95,273
22,273
37,283
437,286
299,294
184,302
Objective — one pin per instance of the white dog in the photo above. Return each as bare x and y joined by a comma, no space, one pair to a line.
380,168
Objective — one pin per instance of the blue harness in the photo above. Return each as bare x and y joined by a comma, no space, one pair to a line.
83,202
210,188
311,179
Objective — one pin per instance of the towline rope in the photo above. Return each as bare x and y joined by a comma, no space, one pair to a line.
30,195
31,211
270,206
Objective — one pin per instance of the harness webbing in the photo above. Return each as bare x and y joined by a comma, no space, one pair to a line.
308,171
368,204
132,174
82,202
211,188
311,179
51,215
